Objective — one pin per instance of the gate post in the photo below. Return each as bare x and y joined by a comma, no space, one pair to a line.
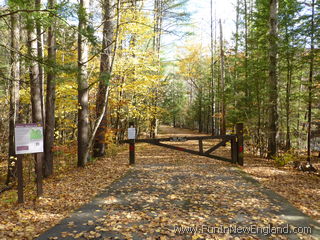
200,146
239,133
234,150
131,151
131,137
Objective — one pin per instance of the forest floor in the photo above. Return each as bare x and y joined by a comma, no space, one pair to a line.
230,196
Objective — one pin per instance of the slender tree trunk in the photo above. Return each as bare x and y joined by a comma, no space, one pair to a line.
200,111
22,74
158,18
246,50
50,97
217,87
222,73
289,80
288,93
39,30
105,74
311,69
273,80
83,91
14,93
212,72
299,111
235,80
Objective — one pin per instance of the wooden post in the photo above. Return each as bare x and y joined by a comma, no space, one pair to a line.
200,146
38,158
20,179
239,133
234,150
132,152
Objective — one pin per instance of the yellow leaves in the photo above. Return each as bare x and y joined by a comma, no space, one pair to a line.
90,223
110,200
24,97
71,224
63,193
197,236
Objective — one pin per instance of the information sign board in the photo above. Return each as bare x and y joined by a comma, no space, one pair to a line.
28,138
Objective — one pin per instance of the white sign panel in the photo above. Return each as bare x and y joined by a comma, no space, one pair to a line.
28,138
131,133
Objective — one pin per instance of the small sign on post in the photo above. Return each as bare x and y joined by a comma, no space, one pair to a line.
28,140
131,137
131,133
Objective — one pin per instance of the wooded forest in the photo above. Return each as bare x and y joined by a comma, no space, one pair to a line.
84,70
87,70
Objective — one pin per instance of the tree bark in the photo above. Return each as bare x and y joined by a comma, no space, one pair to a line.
247,92
50,96
200,112
105,75
311,69
288,88
158,19
35,83
212,72
14,93
35,87
83,91
40,33
222,73
273,79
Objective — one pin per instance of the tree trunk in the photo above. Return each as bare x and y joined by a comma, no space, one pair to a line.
273,80
235,80
247,92
288,93
35,83
310,83
105,74
14,93
35,87
200,112
40,33
50,97
222,73
83,91
158,18
212,73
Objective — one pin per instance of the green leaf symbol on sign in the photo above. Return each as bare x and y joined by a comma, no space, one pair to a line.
35,134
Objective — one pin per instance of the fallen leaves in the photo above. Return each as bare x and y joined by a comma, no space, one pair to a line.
63,193
300,188
172,189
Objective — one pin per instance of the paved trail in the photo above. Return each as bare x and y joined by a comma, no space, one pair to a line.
174,195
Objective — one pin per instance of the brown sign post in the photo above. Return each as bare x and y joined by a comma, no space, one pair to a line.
20,179
29,140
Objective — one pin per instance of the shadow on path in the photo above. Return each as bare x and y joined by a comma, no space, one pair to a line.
178,201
